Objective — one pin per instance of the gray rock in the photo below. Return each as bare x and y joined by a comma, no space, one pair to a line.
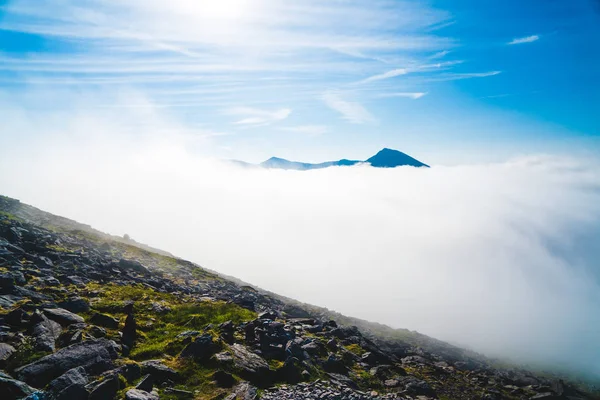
224,358
62,316
243,391
12,389
135,394
159,371
6,350
16,317
251,366
131,372
223,379
333,364
146,383
69,386
75,305
291,371
6,301
97,332
293,348
133,265
129,331
45,332
546,396
105,320
202,348
91,354
105,390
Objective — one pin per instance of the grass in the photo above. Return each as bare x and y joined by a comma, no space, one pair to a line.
24,355
275,364
8,217
365,380
194,377
356,349
60,249
160,337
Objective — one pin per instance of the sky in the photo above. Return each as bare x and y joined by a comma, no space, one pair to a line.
447,82
119,114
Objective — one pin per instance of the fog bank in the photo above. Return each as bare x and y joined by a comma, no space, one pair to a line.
502,258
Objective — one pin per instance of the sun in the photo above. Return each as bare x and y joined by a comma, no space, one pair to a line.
216,9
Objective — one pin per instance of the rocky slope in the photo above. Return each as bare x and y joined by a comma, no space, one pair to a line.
85,315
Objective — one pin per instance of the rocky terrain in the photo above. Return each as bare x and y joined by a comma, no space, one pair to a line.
85,315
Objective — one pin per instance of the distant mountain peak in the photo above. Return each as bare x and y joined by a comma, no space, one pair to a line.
385,158
390,158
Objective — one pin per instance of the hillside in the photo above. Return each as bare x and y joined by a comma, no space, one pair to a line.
86,315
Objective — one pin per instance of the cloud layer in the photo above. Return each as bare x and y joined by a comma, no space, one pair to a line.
501,257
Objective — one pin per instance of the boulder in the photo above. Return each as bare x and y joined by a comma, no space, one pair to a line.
146,383
97,332
227,330
251,366
334,365
546,396
243,391
106,389
45,332
105,320
267,315
68,386
75,305
417,387
16,317
224,358
202,348
6,350
291,371
12,389
314,348
62,316
91,354
159,371
131,372
293,348
223,379
6,301
7,283
129,331
133,265
136,394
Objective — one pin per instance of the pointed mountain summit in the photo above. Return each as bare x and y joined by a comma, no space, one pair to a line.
389,158
385,158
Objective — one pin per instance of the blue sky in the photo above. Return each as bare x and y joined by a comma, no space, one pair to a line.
446,81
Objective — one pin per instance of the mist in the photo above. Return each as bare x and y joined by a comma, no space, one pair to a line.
501,258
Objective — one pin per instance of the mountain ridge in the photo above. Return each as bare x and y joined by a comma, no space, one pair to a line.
385,158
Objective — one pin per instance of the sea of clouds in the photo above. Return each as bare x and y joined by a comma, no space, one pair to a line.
502,258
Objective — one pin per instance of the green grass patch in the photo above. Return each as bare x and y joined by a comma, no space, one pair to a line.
157,332
24,355
356,349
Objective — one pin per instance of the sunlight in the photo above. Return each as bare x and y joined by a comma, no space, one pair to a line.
222,10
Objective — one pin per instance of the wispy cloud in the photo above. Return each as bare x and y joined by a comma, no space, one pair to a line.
439,54
462,75
526,39
386,75
351,111
310,130
410,95
258,117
